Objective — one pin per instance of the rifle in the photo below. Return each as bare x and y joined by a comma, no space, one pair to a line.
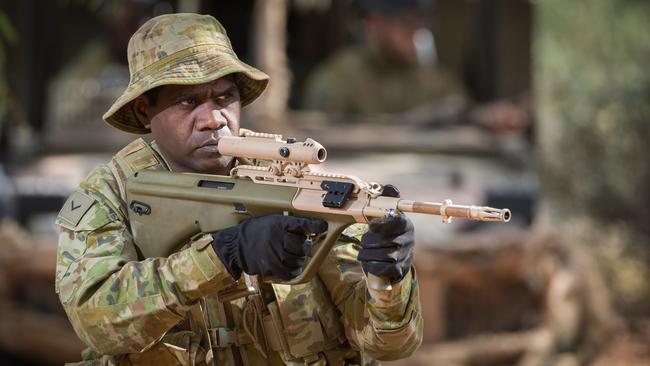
168,208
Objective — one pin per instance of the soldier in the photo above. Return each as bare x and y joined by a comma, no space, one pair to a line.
187,87
392,73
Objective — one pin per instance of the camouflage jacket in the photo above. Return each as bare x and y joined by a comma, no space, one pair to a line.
358,81
132,310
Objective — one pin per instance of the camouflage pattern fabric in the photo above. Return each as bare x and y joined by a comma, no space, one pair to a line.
182,49
131,310
359,81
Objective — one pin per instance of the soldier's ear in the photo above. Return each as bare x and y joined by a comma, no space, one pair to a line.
141,108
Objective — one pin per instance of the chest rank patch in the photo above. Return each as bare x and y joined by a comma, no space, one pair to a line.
75,208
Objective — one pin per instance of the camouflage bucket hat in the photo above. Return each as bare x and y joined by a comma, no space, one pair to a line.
183,49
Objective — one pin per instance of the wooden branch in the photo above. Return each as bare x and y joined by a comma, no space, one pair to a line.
492,349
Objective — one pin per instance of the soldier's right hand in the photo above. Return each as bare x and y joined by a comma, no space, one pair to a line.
270,246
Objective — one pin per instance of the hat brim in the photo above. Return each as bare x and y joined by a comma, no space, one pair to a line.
196,65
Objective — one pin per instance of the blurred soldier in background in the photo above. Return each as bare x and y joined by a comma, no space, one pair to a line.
187,88
394,72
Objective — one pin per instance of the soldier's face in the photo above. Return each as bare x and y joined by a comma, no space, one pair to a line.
187,122
394,34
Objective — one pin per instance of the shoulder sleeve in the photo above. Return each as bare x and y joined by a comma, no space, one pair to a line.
383,325
116,302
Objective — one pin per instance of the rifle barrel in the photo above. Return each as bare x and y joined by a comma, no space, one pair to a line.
448,210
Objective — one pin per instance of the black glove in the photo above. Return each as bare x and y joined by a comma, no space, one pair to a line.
270,246
387,248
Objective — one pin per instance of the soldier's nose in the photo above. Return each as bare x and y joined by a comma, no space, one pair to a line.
211,119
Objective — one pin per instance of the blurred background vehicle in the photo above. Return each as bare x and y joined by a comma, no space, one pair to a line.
541,107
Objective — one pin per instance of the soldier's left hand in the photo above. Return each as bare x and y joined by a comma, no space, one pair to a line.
387,248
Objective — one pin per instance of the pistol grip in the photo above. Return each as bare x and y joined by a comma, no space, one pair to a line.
320,251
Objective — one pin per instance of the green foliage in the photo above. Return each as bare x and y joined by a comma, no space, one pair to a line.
593,93
7,31
8,37
594,101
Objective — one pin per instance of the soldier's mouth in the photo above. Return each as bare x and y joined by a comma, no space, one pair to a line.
213,140
209,147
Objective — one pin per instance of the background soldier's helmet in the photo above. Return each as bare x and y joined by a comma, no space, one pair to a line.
183,49
391,7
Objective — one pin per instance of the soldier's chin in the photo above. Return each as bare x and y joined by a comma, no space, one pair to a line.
214,164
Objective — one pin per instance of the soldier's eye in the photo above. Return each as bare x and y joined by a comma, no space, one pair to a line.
225,96
228,97
188,102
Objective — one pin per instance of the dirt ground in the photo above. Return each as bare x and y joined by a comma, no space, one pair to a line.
628,349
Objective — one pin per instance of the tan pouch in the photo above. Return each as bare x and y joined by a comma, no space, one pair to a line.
179,348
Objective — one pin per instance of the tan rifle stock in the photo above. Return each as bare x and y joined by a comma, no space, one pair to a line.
166,208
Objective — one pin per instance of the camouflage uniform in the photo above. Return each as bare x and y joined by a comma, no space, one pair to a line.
132,310
137,311
359,81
